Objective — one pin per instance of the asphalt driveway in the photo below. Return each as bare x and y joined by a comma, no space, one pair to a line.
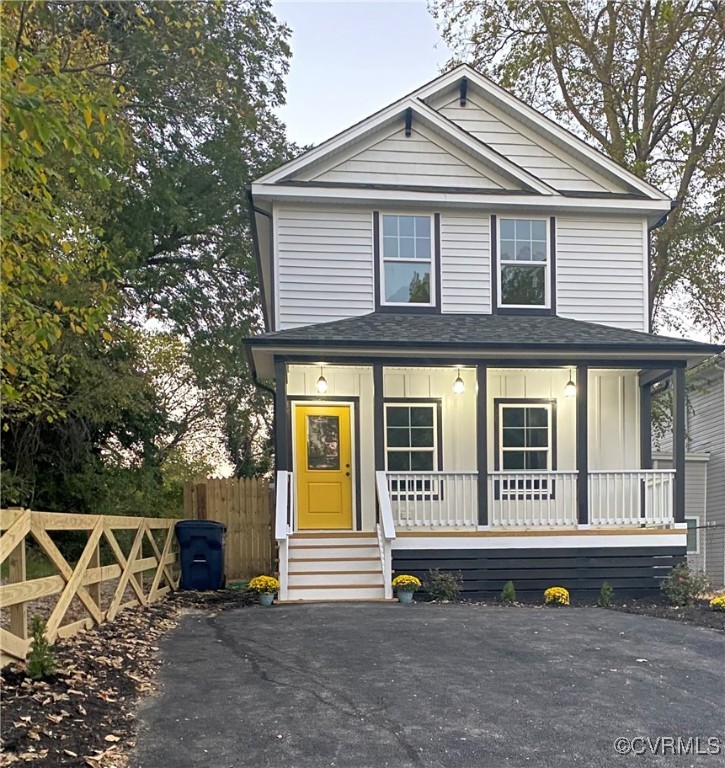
380,684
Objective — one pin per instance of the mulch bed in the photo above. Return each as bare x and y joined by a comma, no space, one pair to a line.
85,714
699,614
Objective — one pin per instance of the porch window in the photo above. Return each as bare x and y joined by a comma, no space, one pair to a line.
407,256
525,439
412,445
523,273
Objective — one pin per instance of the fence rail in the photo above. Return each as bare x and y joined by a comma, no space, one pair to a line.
642,497
151,551
532,499
436,499
244,505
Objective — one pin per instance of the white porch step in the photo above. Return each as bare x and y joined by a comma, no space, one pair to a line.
307,565
340,592
332,551
332,578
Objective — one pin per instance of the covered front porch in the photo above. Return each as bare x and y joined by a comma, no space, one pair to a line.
472,447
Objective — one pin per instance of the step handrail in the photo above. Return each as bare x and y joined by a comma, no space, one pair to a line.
283,527
385,531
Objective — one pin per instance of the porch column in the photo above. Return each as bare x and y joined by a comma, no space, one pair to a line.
582,443
645,425
281,436
482,441
379,417
678,442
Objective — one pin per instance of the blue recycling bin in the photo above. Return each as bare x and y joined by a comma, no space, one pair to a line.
201,544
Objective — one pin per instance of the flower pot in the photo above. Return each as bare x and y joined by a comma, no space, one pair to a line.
405,596
266,598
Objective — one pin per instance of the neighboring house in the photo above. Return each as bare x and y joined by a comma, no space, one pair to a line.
705,473
456,298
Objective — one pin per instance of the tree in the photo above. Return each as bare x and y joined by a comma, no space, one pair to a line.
644,83
61,140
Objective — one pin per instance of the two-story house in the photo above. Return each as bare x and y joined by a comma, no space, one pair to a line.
456,296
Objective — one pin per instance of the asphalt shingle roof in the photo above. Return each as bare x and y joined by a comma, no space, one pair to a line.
398,329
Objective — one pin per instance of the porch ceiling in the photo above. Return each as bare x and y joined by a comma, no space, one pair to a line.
455,336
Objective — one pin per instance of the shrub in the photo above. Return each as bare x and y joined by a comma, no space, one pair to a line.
683,586
508,593
266,584
444,585
406,583
556,596
41,660
718,603
606,595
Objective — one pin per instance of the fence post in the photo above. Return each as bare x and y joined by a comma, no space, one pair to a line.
94,590
16,573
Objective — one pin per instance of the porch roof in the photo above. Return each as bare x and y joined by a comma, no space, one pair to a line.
411,333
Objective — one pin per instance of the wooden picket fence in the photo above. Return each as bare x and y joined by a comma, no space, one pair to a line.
244,505
100,591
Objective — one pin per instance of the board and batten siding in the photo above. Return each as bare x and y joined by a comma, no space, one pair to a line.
465,263
601,270
323,264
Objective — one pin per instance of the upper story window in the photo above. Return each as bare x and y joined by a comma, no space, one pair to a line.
524,264
407,260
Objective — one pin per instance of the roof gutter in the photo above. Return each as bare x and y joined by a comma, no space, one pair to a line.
663,219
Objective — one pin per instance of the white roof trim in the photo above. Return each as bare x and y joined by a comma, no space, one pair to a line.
541,122
428,115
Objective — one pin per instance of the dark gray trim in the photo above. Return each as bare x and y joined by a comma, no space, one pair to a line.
498,362
482,442
376,259
437,255
493,238
653,376
678,442
378,417
523,401
281,416
582,443
645,426
321,399
552,265
525,311
438,402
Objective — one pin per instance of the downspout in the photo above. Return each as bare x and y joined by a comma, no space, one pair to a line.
656,225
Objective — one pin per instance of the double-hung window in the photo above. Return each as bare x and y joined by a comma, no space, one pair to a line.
524,264
412,445
407,260
525,444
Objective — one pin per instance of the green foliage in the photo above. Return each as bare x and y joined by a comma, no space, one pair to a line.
41,659
642,82
606,595
443,585
683,586
508,593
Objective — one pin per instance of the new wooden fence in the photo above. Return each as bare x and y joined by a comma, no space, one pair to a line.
244,505
142,574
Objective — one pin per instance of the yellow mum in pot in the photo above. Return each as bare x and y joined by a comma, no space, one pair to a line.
406,583
718,603
264,584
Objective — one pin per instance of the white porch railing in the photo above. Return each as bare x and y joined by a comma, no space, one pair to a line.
532,499
386,532
283,524
640,497
438,499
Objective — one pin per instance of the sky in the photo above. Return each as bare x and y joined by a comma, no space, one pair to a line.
350,59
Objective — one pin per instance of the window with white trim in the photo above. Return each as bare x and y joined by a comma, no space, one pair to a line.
407,272
692,535
525,437
411,437
523,263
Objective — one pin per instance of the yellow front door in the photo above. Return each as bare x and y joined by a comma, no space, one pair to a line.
323,466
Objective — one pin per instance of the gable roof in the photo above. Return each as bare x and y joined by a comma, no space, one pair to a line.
557,143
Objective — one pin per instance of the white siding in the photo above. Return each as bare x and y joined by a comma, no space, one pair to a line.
323,264
524,147
613,420
422,159
601,270
465,263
